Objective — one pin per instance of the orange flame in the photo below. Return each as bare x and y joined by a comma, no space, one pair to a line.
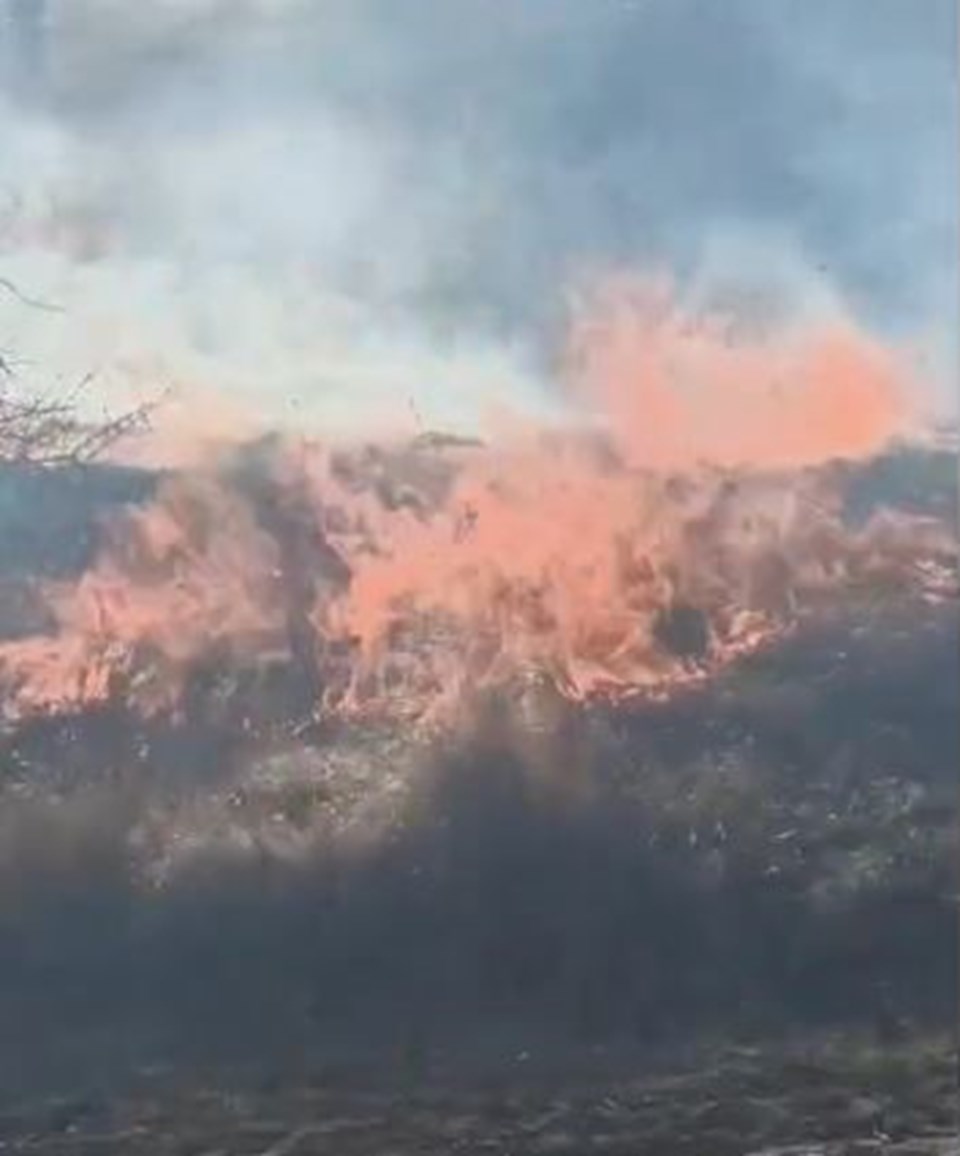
678,391
694,527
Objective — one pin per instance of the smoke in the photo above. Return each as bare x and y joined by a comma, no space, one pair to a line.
231,284
325,214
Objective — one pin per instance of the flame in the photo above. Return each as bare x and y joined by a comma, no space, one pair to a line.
677,391
175,580
685,521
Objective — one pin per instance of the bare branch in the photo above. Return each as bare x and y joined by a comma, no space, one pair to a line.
33,302
45,432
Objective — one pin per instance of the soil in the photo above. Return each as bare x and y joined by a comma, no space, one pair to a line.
832,1097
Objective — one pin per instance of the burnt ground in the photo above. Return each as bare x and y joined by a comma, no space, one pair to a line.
724,924
849,1098
828,1098
728,926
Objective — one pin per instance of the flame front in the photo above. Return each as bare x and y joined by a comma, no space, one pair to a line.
691,516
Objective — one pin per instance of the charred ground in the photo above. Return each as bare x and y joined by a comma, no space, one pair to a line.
769,856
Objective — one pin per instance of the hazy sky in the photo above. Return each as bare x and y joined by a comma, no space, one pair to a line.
349,198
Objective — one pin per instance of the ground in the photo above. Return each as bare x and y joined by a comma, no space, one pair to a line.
721,925
828,1097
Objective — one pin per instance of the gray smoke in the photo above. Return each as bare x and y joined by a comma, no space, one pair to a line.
339,203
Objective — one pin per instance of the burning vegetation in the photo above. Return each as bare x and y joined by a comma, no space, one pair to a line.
575,734
694,514
339,773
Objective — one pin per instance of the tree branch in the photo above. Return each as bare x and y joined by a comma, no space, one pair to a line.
33,302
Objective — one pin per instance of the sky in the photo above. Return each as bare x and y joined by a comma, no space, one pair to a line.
331,209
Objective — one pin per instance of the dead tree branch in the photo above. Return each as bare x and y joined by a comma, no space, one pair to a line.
47,433
33,302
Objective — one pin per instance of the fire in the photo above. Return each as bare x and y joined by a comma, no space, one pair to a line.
676,390
187,574
690,517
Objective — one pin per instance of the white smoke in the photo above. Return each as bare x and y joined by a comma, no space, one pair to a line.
327,214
